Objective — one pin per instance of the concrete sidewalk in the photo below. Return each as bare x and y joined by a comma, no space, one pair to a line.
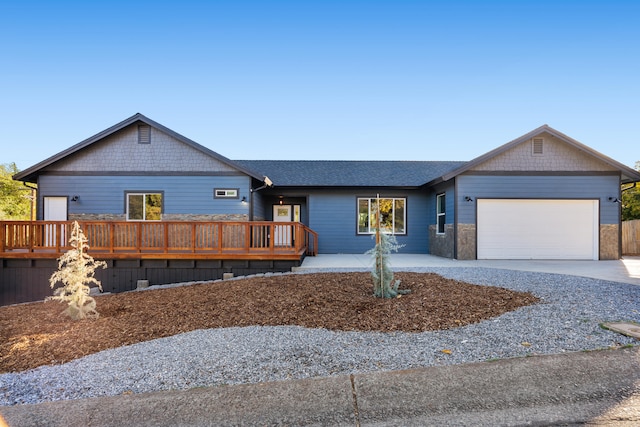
598,387
626,270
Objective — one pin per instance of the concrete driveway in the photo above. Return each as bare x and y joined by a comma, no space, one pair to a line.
626,270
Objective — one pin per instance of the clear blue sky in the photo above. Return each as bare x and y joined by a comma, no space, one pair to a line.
352,80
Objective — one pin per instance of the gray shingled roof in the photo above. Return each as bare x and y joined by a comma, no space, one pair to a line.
329,173
338,173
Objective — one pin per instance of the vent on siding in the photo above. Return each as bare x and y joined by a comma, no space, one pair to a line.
144,134
538,146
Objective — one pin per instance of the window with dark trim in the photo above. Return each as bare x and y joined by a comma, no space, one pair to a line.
225,193
393,215
441,213
144,206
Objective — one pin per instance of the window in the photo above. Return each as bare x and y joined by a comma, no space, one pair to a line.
144,206
393,215
441,214
231,193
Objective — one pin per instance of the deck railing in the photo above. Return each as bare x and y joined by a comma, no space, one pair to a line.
173,239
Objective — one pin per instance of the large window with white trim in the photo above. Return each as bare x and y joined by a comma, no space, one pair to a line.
393,215
144,206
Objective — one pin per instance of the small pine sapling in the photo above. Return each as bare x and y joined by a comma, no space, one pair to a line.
381,273
76,271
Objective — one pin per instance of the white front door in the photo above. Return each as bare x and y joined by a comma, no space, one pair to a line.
55,209
282,213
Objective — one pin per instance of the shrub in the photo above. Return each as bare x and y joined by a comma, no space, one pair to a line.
76,271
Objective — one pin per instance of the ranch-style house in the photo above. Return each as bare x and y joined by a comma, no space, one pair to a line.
151,200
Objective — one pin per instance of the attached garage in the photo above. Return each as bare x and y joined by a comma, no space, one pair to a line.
537,229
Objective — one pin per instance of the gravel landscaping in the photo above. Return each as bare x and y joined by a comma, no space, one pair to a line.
566,319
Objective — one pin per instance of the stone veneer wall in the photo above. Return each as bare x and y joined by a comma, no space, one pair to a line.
165,217
609,241
466,247
97,217
441,244
210,217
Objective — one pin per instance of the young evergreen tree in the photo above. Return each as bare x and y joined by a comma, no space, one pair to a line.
381,273
76,271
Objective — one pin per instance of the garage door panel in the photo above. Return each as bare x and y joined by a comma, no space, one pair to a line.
537,229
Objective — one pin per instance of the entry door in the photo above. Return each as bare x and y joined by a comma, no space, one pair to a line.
55,209
283,233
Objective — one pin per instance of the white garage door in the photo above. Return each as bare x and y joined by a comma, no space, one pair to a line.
537,229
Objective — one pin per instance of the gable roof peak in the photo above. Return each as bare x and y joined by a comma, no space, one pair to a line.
30,174
628,174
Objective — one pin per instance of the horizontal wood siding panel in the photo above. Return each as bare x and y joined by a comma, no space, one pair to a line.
332,214
182,194
259,207
538,187
450,202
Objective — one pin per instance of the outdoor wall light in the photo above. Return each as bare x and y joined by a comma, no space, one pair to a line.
614,200
75,198
468,199
244,200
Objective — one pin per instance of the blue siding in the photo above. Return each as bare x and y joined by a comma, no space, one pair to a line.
332,214
551,187
259,207
450,202
182,194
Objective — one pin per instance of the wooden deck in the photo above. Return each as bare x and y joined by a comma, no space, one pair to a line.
245,240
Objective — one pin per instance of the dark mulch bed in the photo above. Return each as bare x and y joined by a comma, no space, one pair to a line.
37,334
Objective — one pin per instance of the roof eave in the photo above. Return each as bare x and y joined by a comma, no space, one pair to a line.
347,186
33,170
630,178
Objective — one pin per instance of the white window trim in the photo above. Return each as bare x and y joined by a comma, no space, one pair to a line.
370,228
442,214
